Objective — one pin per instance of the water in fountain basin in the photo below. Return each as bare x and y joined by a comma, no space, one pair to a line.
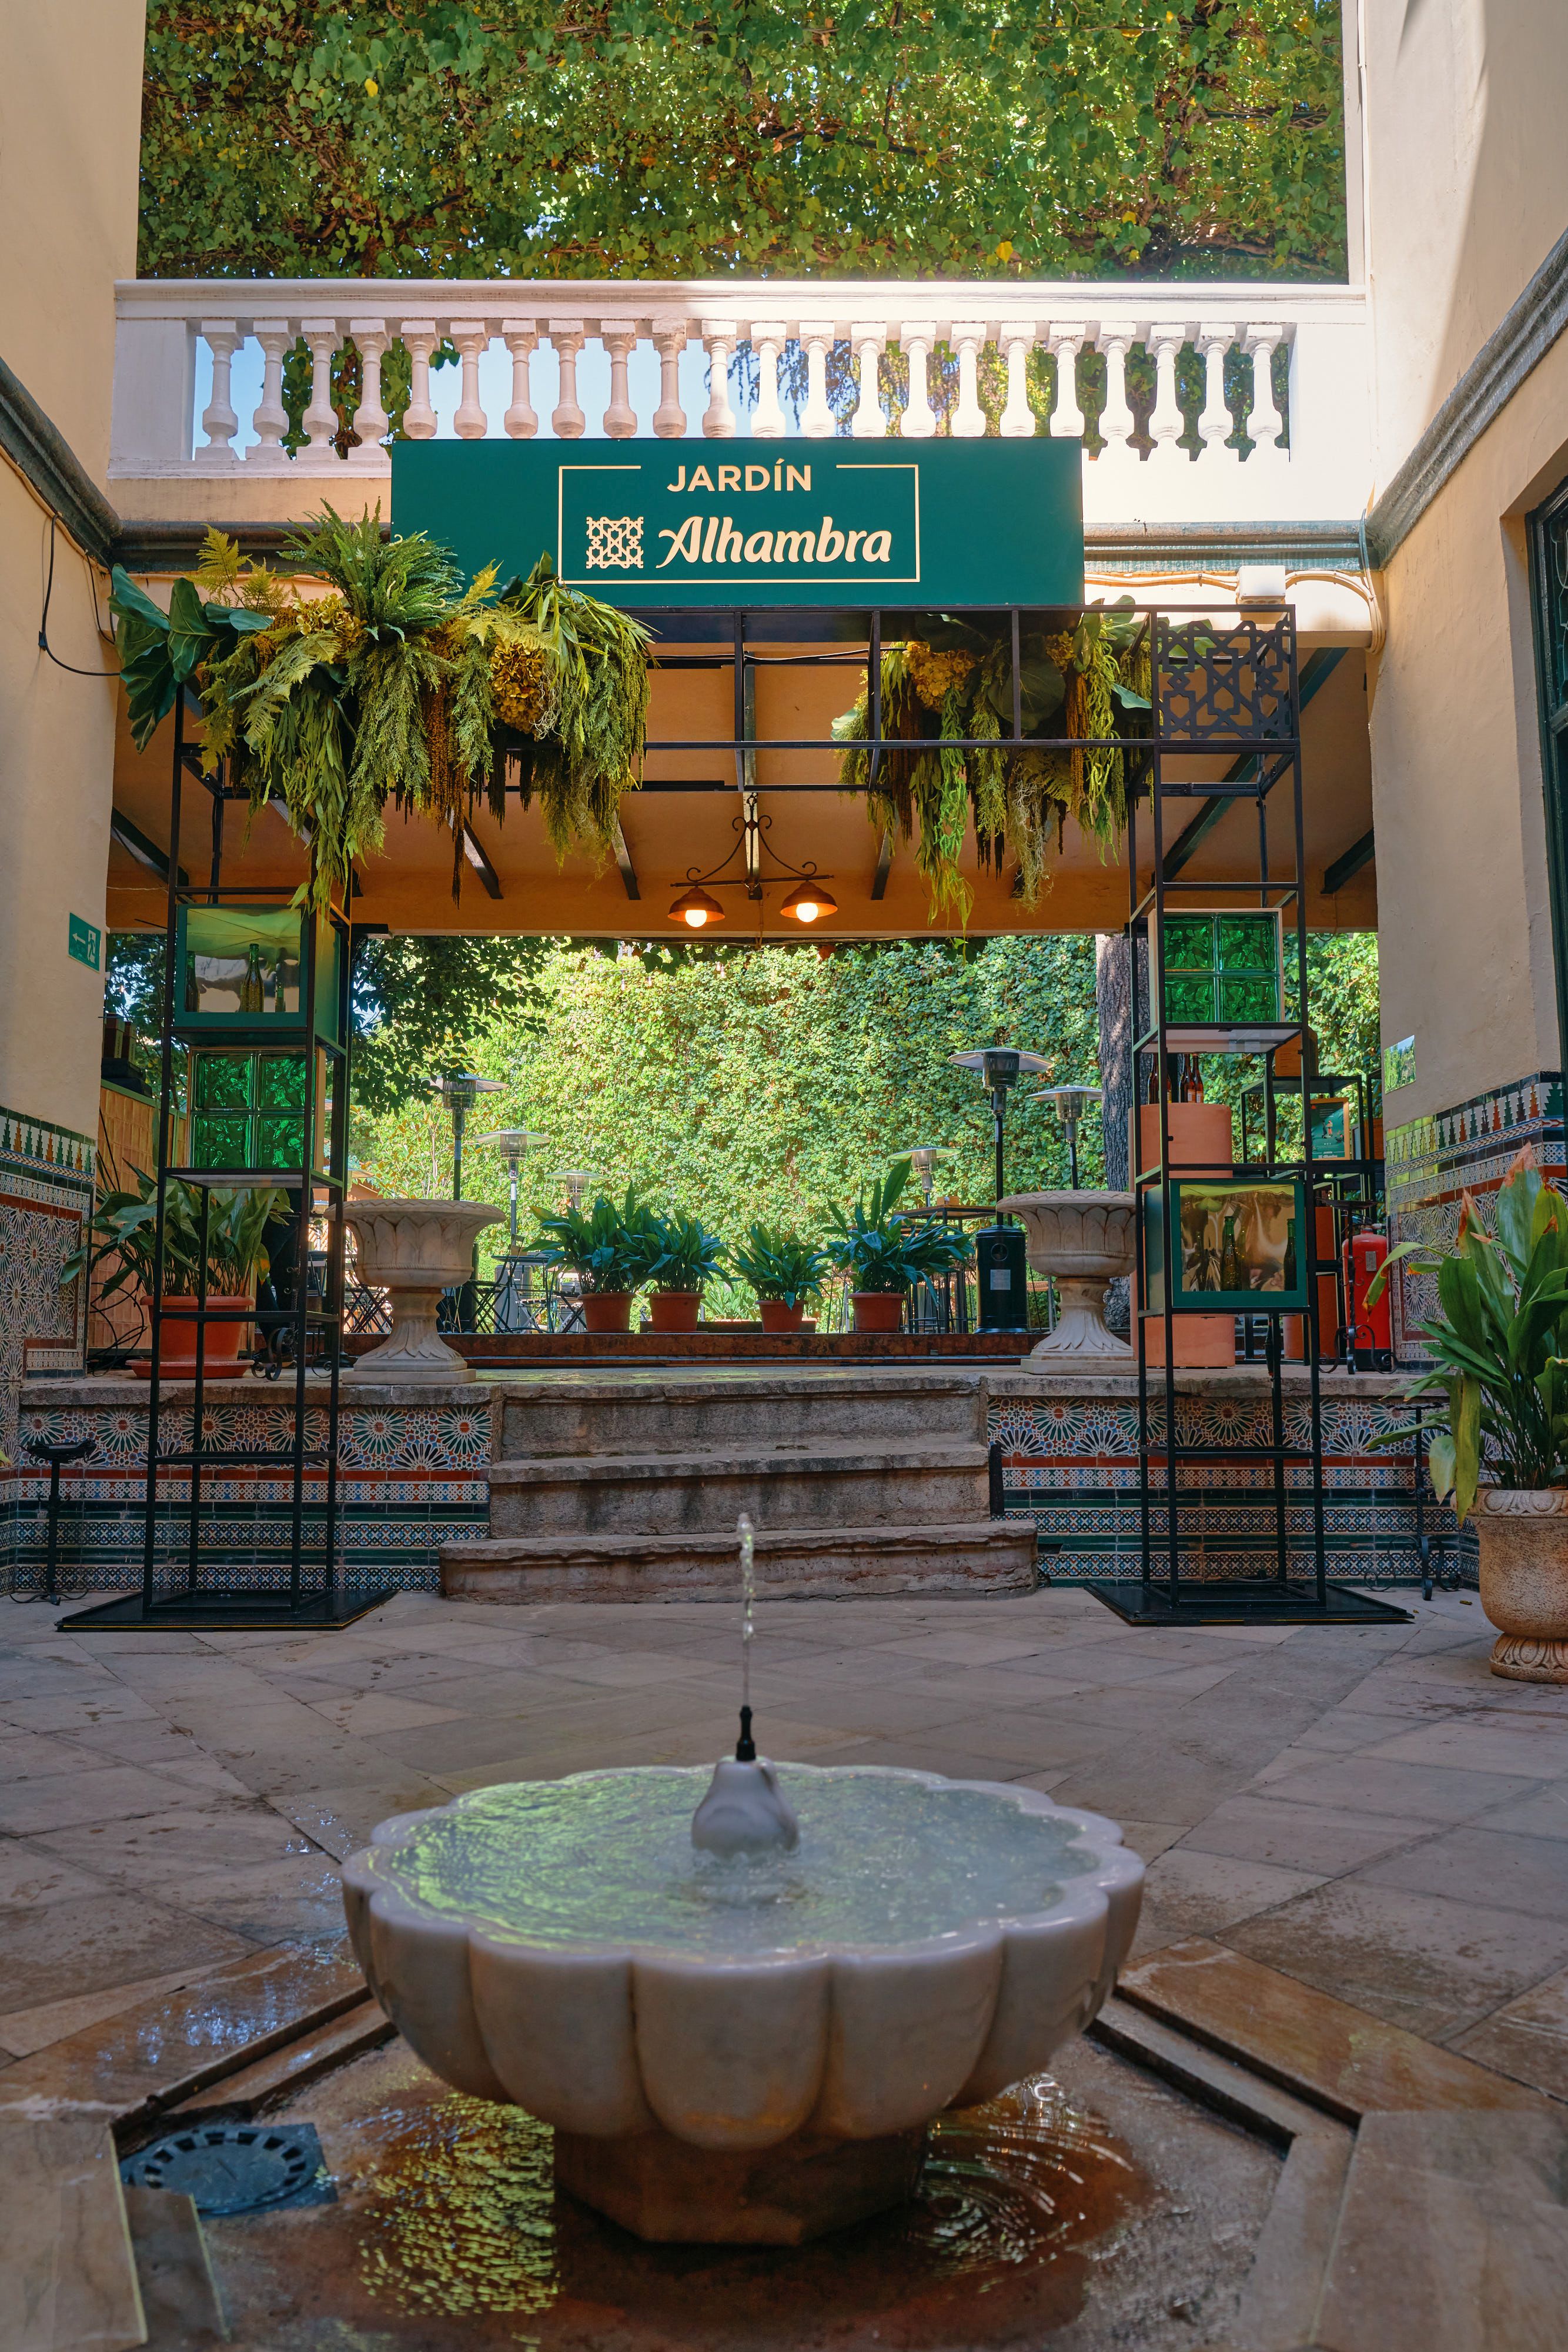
610,1859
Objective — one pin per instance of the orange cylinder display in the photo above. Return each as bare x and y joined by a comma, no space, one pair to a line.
1202,1143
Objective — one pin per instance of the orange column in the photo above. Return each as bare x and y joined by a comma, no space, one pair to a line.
1202,1143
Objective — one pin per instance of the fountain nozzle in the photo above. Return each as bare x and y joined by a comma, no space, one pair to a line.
746,1747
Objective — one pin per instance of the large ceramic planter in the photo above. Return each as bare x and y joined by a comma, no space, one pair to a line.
1083,1241
220,1350
414,1250
606,1310
878,1310
779,1318
1524,1538
674,1310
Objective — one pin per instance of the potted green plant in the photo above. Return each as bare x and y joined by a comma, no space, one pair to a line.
124,1232
1499,1341
884,1253
687,1254
786,1272
611,1248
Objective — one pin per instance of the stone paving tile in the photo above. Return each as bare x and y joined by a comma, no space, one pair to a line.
32,1875
1538,1751
65,1711
1254,1827
1483,1864
378,1711
1527,2038
175,1851
29,1755
109,1792
1346,1730
1543,1813
60,1950
299,1900
1385,1786
1191,1894
1433,1965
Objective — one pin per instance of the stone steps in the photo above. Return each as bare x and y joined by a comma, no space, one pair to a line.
823,1485
643,1413
826,1563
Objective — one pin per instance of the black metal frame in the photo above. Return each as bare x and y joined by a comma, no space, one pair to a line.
1548,534
311,1326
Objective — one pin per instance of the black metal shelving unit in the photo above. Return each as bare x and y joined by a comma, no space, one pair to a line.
181,1586
1231,691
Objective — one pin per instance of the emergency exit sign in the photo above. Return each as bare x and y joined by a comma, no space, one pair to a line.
84,941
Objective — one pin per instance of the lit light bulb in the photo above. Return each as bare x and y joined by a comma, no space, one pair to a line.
696,917
807,910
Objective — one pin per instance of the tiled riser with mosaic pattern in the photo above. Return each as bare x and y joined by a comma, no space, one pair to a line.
410,1479
1071,1466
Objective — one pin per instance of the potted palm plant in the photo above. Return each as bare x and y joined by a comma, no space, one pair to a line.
884,1253
124,1233
611,1248
786,1272
1500,1344
687,1254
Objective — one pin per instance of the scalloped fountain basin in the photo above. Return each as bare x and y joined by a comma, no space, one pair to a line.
741,2049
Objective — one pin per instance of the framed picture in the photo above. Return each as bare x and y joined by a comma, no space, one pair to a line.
241,971
1333,1128
1237,1246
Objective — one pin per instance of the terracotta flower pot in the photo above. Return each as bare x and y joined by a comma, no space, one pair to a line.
220,1350
878,1310
778,1317
1523,1538
607,1310
674,1310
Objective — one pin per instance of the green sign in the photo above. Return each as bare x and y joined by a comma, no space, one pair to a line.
84,942
704,523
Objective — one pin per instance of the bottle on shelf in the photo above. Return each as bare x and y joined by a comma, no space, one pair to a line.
253,992
1192,1080
1230,1259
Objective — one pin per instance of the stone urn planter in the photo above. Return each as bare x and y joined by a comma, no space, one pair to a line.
1083,1241
414,1250
1523,1538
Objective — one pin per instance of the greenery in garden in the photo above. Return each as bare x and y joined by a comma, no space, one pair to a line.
871,1243
124,1236
637,138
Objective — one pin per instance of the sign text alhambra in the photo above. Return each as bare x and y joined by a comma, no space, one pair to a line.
648,523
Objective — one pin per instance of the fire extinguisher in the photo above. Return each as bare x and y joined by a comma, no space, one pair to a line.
1370,1333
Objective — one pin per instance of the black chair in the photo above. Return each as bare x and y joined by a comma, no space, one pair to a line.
43,1450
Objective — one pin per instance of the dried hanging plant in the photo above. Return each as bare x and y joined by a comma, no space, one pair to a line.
955,683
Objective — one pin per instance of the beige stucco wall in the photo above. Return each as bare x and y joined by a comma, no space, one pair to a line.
70,103
1466,186
1465,938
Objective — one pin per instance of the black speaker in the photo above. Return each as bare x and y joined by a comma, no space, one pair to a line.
1003,1269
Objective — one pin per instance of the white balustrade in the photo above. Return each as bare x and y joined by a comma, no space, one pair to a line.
1179,459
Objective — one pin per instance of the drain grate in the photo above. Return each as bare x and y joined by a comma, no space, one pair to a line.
236,2167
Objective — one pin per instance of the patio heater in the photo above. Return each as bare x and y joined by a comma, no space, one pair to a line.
514,1302
999,1255
1069,1104
460,1090
922,1159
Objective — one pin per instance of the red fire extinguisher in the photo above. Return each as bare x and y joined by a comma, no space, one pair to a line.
1370,1331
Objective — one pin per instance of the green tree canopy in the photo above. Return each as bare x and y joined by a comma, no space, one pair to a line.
468,137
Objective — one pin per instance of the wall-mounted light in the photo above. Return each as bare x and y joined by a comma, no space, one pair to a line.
810,902
695,907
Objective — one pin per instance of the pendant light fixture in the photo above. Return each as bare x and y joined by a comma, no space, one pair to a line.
697,908
809,902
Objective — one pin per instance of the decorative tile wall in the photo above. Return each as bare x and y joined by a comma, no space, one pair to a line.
1070,1463
1431,1163
410,1478
45,1194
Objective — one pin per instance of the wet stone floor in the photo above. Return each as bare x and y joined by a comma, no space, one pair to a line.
1094,2208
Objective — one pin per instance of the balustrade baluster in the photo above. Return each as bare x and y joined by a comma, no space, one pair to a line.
1016,341
521,339
1067,419
1166,425
917,337
1216,423
470,424
567,339
1116,418
219,422
817,422
271,419
1265,424
669,341
371,421
867,342
619,337
418,338
720,337
319,421
768,337
968,417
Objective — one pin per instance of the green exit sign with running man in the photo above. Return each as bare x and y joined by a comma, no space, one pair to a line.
662,523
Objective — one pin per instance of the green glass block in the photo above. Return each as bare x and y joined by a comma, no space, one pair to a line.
223,1081
1249,996
1246,942
1189,996
221,1140
279,1141
1189,942
281,1082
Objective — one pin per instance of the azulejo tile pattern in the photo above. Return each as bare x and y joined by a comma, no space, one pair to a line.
410,1478
1071,1466
46,1193
1431,1163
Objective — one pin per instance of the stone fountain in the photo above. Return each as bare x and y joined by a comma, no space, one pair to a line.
414,1250
1083,1241
740,2010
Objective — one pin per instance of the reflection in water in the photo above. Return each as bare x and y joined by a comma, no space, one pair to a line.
459,2218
